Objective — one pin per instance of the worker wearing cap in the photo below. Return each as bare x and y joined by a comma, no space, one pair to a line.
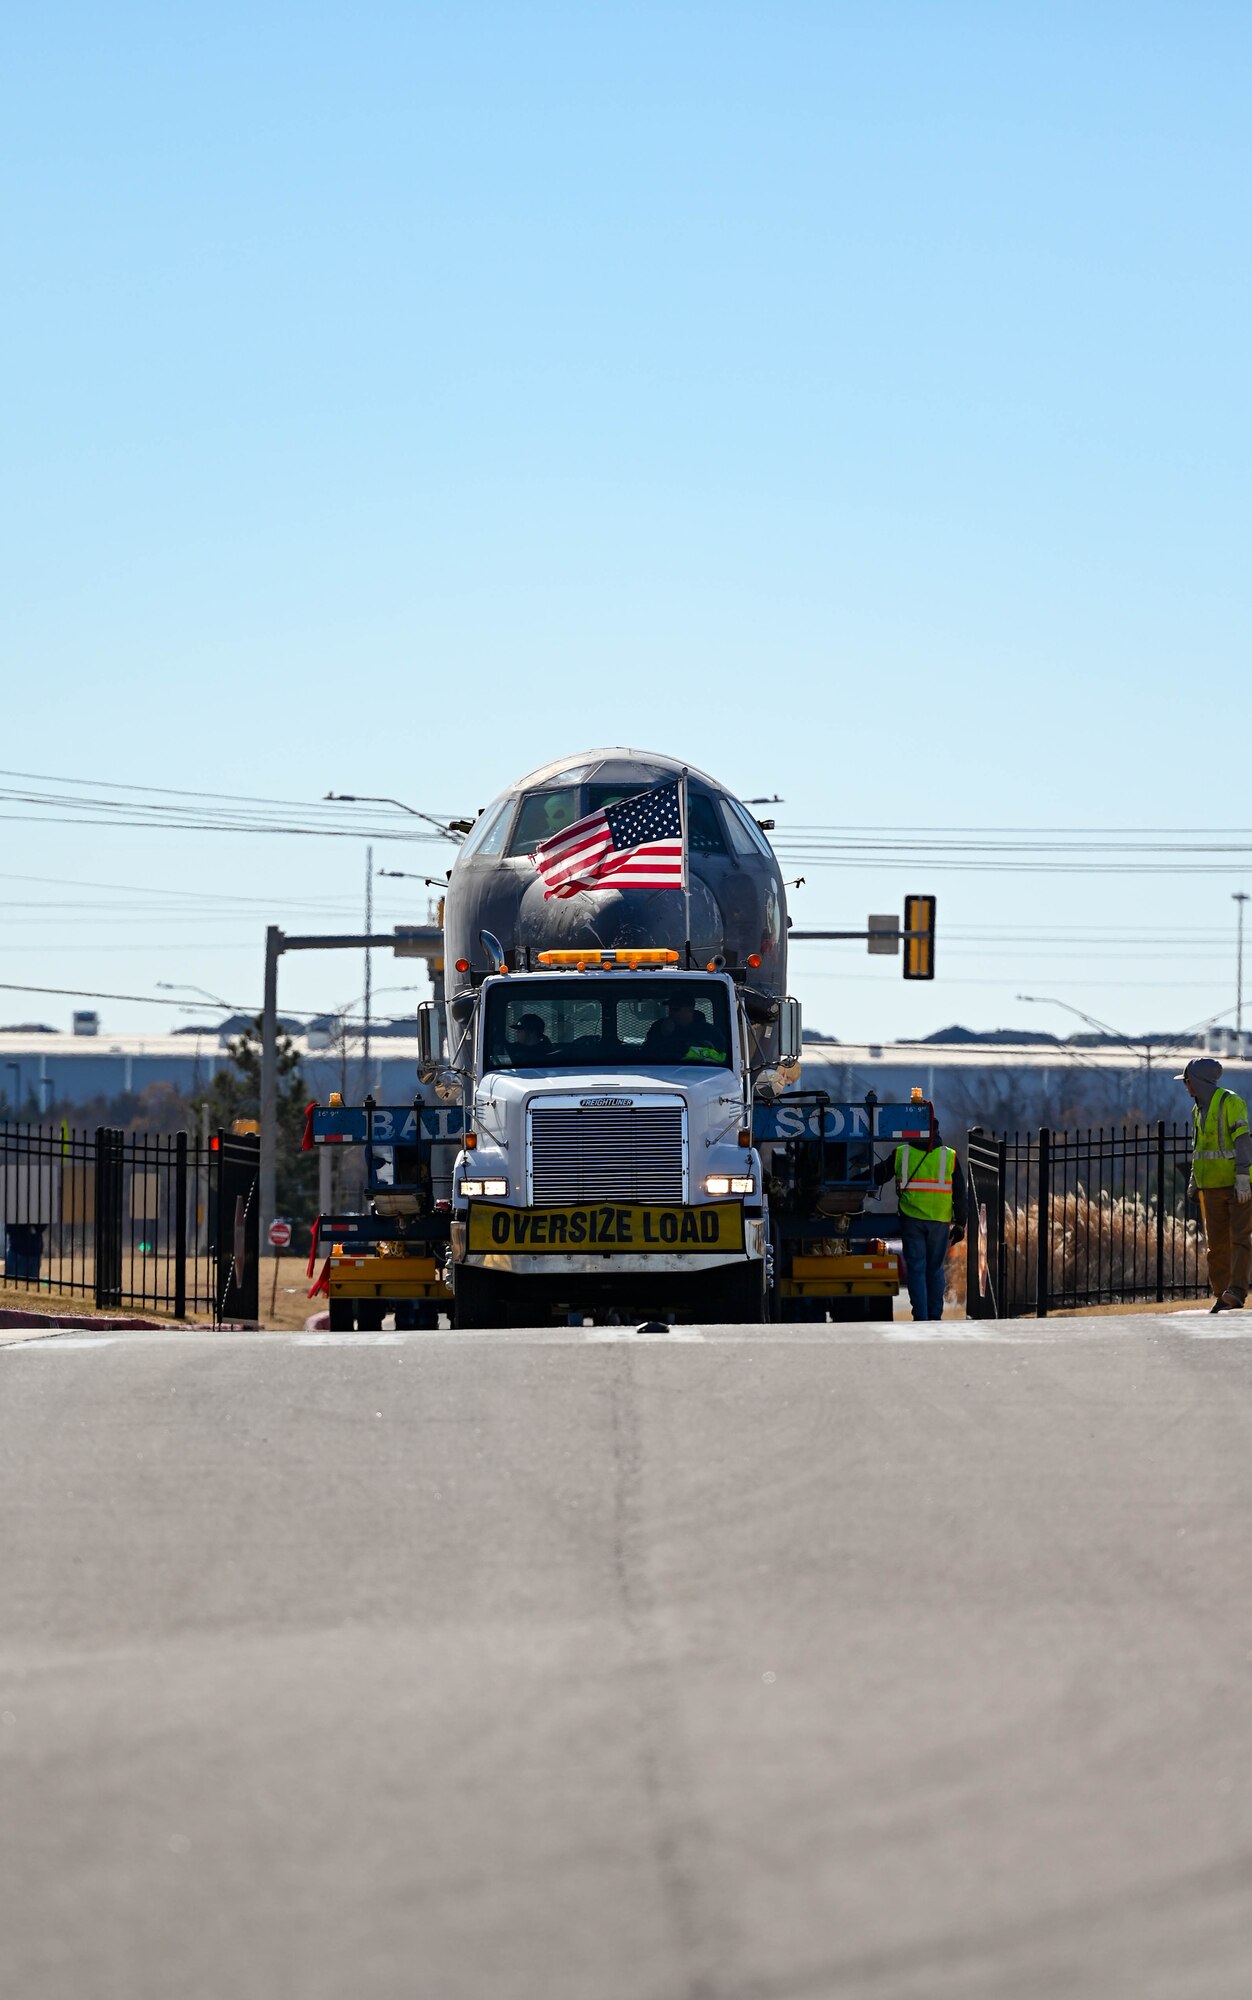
1221,1174
931,1191
530,1046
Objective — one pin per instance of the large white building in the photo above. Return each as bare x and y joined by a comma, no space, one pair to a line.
999,1085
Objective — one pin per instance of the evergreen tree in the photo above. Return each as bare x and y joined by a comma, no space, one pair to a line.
235,1093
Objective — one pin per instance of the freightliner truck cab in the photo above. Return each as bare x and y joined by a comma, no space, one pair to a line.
608,1159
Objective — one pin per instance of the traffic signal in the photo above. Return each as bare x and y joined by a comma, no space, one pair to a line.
919,937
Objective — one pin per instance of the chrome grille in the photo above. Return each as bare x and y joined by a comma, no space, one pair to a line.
622,1153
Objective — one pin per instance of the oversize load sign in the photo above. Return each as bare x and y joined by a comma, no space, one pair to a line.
634,1226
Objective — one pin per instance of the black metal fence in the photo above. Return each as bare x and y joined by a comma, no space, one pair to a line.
1076,1219
160,1222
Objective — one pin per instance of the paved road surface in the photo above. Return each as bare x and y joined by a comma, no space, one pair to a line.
788,1666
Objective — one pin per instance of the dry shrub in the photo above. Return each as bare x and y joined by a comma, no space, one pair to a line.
954,1288
1111,1244
1108,1244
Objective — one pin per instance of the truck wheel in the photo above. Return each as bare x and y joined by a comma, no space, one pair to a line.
416,1316
739,1296
861,1309
804,1312
341,1316
369,1315
476,1302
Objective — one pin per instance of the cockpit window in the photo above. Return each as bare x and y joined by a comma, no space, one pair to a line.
488,834
703,832
577,1022
542,815
745,835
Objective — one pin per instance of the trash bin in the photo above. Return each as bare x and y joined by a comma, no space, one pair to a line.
23,1250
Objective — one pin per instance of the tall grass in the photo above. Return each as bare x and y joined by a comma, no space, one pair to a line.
1095,1245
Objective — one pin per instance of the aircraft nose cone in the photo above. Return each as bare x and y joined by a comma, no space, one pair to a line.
601,919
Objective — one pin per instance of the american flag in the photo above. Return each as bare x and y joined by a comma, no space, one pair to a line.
635,844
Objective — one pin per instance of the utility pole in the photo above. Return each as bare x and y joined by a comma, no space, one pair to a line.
369,931
1239,896
417,941
274,944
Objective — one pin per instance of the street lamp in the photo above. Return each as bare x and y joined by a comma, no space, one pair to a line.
185,986
1101,1027
455,829
1239,896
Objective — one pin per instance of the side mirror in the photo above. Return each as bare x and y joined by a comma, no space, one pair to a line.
426,1054
790,1044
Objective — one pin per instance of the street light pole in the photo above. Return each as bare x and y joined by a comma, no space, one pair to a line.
369,930
456,829
1239,896
185,986
1102,1027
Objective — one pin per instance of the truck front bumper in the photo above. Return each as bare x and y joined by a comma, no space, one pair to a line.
610,1264
719,1234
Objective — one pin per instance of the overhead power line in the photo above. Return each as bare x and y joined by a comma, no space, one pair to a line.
81,802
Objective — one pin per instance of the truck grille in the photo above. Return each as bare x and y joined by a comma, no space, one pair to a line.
622,1153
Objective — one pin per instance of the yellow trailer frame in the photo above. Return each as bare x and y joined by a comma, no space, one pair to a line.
390,1278
851,1274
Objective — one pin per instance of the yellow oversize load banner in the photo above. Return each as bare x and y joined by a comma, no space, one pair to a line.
634,1226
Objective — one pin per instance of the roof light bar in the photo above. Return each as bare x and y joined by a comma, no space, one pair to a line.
606,960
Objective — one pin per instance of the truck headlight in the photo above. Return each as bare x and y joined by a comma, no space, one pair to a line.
728,1184
487,1187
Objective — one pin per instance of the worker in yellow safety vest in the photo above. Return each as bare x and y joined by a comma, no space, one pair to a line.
931,1190
1221,1174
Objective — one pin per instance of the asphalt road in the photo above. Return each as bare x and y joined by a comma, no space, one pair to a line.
788,1666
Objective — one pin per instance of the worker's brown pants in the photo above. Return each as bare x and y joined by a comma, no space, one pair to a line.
1228,1236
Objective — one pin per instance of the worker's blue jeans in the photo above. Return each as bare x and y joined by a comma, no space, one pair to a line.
925,1246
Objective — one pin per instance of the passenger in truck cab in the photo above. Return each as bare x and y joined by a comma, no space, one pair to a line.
683,1034
529,1045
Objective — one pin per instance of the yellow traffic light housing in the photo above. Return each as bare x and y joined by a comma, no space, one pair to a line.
919,937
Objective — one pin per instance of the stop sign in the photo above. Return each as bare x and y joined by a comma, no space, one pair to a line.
280,1233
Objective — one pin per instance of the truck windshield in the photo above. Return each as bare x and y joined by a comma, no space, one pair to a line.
616,1022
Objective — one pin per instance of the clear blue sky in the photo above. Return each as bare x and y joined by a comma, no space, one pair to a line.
850,398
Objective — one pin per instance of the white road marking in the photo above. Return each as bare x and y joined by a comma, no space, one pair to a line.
55,1343
1196,1325
597,1336
347,1339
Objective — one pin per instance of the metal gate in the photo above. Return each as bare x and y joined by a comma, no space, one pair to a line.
238,1236
153,1220
1072,1219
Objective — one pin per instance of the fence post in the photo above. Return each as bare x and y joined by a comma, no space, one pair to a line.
1043,1242
1003,1307
108,1217
1160,1210
180,1226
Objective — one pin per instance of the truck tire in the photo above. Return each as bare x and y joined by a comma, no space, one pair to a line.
476,1302
803,1312
341,1316
416,1316
861,1309
369,1315
738,1296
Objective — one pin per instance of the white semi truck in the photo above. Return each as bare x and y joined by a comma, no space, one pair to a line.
608,1162
620,1066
